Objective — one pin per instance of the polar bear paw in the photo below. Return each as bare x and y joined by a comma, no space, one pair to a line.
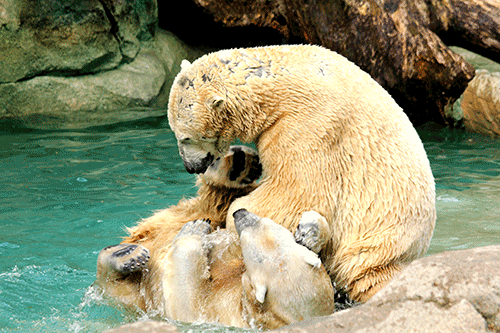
197,227
124,258
311,231
239,168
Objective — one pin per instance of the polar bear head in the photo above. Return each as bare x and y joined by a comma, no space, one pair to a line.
282,277
208,108
192,106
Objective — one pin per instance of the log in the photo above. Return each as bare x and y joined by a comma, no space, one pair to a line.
401,43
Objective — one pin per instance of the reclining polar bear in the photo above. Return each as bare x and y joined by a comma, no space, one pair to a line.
284,282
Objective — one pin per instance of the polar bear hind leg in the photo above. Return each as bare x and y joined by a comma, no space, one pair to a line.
188,272
119,270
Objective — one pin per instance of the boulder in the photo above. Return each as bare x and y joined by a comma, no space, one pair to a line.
478,109
481,104
456,291
132,91
67,37
131,23
56,102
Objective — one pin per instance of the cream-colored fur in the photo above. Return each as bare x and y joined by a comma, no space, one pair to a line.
284,282
330,139
145,288
282,277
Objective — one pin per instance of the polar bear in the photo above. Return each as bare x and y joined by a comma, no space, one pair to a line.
284,282
284,278
329,138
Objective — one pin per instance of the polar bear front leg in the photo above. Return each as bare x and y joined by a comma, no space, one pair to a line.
188,271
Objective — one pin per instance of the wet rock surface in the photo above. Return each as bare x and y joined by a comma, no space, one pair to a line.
456,291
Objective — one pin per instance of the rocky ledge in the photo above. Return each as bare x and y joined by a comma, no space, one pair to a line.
455,291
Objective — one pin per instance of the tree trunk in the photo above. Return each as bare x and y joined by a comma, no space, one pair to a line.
399,42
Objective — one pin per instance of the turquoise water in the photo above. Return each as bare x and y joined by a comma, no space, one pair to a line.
65,195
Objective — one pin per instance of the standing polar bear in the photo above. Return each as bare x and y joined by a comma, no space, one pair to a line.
329,138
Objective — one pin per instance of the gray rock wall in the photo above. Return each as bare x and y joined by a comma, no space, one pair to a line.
67,37
75,64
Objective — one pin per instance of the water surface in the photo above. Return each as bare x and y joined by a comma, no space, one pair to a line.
65,195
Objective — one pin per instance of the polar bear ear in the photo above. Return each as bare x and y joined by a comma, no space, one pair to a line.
185,64
216,102
260,292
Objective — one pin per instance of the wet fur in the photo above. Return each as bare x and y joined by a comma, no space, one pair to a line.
330,139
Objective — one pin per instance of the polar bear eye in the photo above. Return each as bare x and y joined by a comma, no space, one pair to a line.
208,139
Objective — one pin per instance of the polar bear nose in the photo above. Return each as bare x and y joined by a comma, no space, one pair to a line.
199,166
244,219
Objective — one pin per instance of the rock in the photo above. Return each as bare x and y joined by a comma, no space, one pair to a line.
132,22
54,102
476,60
66,37
132,91
54,37
481,104
457,291
145,327
478,109
171,50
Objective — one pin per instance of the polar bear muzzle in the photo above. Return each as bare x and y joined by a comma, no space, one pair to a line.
197,156
198,166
